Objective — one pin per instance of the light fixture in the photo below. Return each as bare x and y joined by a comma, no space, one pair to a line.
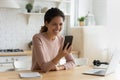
8,4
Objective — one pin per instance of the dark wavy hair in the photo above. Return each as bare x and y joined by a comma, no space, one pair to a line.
49,15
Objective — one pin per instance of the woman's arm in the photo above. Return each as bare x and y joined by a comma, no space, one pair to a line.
70,63
40,57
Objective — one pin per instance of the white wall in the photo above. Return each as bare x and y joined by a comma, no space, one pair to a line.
14,30
95,43
113,23
91,41
100,11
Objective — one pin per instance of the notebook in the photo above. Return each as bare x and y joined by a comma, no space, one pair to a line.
105,71
30,74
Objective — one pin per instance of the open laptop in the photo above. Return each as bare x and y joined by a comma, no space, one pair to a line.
105,71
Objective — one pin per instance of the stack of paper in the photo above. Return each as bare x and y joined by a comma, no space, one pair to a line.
30,74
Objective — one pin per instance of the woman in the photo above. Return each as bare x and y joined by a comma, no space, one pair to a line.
47,45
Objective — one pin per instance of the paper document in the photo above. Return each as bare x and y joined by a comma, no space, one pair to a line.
30,74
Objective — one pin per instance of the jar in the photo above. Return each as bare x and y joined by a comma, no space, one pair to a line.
89,19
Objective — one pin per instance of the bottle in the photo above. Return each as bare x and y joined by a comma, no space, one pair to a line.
89,19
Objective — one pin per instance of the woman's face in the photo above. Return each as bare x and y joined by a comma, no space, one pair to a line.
55,25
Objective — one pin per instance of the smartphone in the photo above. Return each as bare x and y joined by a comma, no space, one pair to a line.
68,39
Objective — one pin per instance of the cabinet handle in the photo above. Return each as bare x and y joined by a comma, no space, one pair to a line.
16,59
12,59
6,60
1,65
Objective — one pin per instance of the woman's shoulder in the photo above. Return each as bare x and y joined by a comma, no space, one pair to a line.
38,35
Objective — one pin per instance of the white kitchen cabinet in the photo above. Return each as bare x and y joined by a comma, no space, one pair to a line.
15,63
7,62
24,64
5,59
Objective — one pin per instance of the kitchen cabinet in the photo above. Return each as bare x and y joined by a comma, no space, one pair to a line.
21,60
11,63
8,60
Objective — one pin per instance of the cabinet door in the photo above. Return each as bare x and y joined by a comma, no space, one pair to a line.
11,59
3,59
22,62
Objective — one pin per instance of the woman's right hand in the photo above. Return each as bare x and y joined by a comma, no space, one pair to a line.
62,53
65,51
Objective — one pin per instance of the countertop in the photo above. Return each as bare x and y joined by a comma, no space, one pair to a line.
25,53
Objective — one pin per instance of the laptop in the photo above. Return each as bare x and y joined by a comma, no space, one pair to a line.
105,71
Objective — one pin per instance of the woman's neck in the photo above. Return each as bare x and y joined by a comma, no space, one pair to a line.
50,36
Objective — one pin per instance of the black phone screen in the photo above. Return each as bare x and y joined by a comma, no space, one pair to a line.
68,39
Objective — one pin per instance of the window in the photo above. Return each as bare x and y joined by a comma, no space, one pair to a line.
79,8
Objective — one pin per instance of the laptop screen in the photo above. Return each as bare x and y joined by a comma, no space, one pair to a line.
113,62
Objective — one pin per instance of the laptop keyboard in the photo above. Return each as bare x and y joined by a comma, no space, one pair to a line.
96,70
101,71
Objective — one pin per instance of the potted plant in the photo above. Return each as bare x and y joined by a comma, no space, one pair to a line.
29,7
81,20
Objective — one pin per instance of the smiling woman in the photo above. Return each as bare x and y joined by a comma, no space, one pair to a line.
48,44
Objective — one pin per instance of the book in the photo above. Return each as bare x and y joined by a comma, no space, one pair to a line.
30,74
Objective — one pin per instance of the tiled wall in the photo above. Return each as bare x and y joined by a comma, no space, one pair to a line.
15,32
